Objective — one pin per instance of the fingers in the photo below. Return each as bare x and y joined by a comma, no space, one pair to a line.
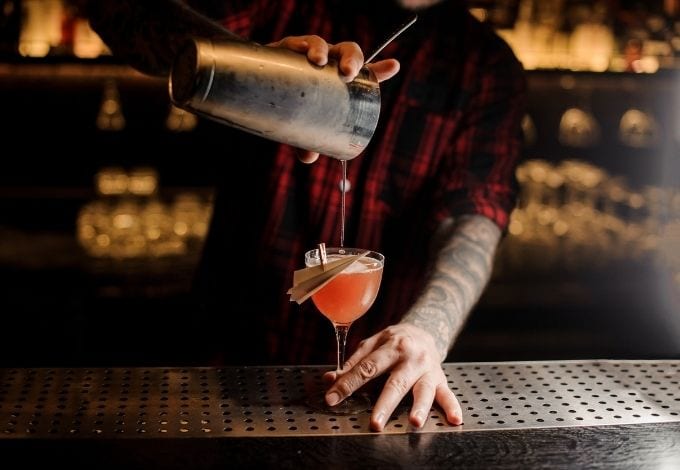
364,349
426,390
397,386
385,69
348,54
350,58
352,380
357,365
318,50
423,397
313,46
449,403
329,377
294,43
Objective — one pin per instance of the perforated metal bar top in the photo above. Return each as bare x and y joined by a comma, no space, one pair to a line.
273,401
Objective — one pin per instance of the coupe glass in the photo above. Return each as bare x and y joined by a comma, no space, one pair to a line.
344,299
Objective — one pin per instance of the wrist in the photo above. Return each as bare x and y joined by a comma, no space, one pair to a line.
439,340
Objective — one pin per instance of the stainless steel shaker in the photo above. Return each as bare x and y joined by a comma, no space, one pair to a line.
277,94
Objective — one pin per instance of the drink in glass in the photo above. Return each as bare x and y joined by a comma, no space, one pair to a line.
343,300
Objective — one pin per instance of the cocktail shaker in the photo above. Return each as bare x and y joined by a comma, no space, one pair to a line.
277,94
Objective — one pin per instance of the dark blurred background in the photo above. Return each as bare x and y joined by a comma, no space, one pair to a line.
106,193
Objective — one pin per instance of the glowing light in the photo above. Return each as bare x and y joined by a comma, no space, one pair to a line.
103,240
181,228
575,213
110,117
127,220
180,120
143,181
111,181
123,221
578,128
638,129
86,43
481,14
41,27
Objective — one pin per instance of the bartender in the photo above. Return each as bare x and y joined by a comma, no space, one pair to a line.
432,191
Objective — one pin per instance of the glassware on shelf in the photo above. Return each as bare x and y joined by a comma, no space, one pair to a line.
578,128
110,117
129,220
179,120
41,27
575,215
638,129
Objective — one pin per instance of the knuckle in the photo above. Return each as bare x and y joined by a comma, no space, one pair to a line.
391,330
398,383
352,45
367,369
348,364
405,343
390,334
345,388
427,385
421,359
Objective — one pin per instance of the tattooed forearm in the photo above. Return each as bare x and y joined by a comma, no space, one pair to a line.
148,34
461,269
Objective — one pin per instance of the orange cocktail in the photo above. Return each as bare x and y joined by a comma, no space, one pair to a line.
351,293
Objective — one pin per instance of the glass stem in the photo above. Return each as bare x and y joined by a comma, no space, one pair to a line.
341,330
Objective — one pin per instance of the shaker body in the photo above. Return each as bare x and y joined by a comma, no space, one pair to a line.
277,94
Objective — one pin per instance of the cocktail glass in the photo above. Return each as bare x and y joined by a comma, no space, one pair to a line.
343,300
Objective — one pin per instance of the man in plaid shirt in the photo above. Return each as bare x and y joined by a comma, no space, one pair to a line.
432,191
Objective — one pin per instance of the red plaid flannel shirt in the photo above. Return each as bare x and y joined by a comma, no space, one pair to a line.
447,144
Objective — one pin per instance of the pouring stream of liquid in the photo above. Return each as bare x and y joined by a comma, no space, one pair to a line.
344,183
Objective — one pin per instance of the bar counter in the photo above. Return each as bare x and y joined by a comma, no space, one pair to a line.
565,414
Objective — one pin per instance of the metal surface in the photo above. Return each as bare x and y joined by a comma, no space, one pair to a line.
277,94
270,401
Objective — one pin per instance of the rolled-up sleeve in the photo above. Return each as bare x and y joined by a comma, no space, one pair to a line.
480,175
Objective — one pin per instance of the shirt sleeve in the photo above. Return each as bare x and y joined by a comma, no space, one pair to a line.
256,19
481,178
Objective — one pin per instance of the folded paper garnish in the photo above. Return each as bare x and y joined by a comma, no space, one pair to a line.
307,281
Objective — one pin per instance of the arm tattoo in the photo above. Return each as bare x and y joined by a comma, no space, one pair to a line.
148,34
462,264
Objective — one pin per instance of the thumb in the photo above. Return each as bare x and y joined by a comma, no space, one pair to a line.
385,69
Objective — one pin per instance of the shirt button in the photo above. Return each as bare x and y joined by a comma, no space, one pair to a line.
345,186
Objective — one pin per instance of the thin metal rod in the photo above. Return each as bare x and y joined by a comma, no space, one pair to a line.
401,29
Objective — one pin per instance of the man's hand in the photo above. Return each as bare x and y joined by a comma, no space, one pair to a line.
409,354
350,60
